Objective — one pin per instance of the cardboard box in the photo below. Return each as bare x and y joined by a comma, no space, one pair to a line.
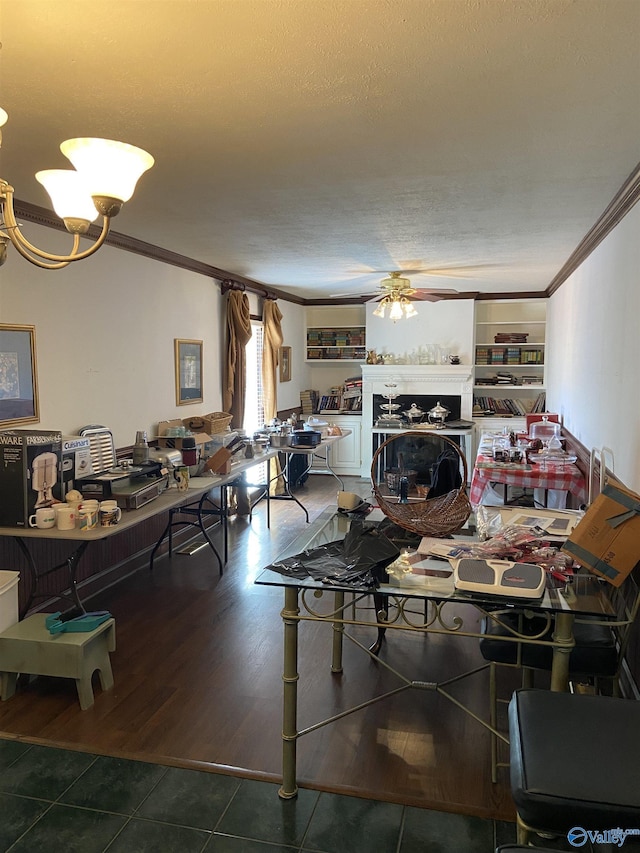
30,473
607,540
175,441
76,459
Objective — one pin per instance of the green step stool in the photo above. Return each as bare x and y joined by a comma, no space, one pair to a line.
28,647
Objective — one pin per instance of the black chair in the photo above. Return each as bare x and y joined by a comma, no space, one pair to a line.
597,657
575,762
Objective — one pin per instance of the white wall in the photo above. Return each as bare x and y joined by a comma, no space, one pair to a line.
593,372
294,336
105,330
448,323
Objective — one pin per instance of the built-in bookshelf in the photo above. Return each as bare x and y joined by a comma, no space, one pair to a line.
339,343
510,356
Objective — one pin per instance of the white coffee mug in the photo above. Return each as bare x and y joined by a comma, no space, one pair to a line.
87,517
65,516
43,518
110,513
90,504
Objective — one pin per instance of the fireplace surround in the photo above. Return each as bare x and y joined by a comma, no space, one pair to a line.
415,381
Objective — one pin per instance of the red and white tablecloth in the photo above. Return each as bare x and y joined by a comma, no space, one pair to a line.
561,477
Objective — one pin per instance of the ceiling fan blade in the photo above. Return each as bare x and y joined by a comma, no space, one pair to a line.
428,296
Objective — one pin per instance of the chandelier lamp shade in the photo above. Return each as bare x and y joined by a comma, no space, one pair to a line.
104,176
397,291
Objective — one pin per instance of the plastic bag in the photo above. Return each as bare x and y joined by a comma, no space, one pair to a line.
360,558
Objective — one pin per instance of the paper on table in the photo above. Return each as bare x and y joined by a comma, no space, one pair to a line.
429,545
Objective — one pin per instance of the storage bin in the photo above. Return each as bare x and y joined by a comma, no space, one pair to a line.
8,599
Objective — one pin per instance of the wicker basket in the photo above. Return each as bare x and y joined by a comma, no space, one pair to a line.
214,422
437,516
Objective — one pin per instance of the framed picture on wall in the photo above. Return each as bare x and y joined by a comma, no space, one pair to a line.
18,376
284,360
188,360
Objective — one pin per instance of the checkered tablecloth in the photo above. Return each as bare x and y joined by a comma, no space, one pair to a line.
564,477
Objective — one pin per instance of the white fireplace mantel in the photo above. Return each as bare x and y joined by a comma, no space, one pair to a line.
434,379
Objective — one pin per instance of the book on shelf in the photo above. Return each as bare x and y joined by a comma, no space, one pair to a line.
511,337
309,401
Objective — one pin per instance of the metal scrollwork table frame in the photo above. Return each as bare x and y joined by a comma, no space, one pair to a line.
306,600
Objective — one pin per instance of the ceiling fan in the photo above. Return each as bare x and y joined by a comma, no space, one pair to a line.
397,293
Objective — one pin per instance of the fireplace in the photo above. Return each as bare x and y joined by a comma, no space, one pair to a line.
425,385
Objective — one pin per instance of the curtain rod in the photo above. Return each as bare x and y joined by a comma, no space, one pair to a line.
228,284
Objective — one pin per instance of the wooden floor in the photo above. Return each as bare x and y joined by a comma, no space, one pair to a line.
198,670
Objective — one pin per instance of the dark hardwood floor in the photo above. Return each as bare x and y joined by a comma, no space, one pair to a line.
198,682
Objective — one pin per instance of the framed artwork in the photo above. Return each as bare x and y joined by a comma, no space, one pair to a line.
18,376
188,359
284,360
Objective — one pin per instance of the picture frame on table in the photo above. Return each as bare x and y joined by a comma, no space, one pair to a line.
188,364
284,361
18,376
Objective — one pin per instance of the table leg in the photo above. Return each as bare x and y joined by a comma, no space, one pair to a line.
288,495
564,639
290,677
338,633
72,565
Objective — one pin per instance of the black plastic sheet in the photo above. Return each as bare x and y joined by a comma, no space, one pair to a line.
360,559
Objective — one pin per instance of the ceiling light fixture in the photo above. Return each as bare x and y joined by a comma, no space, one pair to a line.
397,290
104,177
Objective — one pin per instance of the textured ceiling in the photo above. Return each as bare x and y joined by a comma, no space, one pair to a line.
315,145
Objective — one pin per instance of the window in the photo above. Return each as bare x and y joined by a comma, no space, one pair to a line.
254,401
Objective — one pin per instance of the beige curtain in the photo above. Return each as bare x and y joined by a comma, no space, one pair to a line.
238,336
272,319
235,378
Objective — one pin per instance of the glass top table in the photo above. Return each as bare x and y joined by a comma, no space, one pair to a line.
306,599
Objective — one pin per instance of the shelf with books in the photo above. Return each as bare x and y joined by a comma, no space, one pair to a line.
510,351
335,343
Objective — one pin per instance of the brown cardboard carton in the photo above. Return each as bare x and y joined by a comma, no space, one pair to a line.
607,540
171,441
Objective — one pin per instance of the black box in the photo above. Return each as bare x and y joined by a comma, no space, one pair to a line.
30,473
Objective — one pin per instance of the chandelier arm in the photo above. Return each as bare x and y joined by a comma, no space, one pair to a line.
34,260
27,249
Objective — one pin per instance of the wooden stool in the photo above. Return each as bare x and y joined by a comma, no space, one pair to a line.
28,647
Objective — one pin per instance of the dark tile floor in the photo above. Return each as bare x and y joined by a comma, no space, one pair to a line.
74,801
78,802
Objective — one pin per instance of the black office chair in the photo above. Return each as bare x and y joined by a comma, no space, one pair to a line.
597,657
575,763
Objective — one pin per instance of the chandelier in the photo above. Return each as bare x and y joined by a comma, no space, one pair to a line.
397,291
104,177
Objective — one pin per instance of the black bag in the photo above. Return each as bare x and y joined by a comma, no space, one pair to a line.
445,474
360,558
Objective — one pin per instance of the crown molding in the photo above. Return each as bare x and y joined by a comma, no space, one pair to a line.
624,200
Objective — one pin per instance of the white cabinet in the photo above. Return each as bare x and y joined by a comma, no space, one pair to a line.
510,355
346,453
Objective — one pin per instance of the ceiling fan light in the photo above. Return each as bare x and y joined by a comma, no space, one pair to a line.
379,311
3,117
409,310
396,311
111,169
69,194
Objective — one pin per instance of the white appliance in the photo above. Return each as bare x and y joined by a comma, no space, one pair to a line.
499,577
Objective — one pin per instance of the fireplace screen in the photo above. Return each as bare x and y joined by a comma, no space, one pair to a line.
422,401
